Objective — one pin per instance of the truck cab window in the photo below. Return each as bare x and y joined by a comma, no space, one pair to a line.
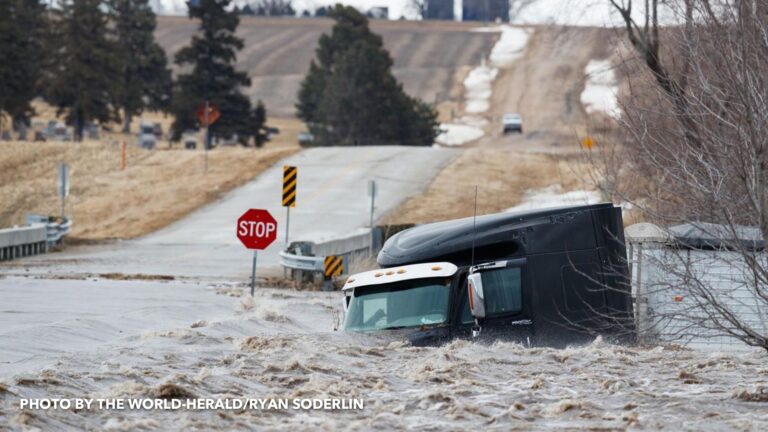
409,303
503,291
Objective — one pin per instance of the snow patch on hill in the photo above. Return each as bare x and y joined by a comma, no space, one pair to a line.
554,196
479,82
478,86
510,46
600,91
477,89
456,134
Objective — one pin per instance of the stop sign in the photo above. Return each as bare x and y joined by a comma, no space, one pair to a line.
257,229
209,118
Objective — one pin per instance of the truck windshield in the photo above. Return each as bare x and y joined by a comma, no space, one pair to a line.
403,304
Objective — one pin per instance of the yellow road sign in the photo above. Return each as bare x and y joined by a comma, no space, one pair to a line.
587,143
290,178
334,265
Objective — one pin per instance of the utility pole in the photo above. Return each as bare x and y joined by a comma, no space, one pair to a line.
372,194
63,186
207,134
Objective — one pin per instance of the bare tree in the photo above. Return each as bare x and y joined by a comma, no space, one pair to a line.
697,135
645,38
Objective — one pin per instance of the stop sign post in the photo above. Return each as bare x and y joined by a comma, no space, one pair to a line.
256,229
207,114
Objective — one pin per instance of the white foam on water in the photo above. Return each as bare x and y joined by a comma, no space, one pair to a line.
456,386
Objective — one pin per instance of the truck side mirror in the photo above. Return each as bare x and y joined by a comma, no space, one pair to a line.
476,295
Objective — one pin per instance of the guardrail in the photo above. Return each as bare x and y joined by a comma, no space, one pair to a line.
22,241
305,260
56,227
40,234
300,262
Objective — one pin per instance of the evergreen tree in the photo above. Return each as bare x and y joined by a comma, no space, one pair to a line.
350,97
81,81
145,79
247,10
260,119
23,26
212,76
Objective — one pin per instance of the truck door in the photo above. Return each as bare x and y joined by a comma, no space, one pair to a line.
506,300
462,319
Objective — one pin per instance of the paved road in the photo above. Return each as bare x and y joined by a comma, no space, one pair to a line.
545,86
331,201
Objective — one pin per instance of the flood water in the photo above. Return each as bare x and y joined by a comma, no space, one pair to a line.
282,345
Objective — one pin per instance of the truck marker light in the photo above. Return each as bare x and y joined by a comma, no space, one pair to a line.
401,271
350,280
378,275
471,302
390,273
436,268
677,298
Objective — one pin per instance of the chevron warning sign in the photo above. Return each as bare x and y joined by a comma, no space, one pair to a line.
334,265
290,176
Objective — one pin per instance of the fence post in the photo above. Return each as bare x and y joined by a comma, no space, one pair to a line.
122,156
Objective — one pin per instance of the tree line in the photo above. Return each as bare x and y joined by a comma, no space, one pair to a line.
98,61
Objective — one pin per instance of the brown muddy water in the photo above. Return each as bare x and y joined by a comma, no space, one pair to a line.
281,344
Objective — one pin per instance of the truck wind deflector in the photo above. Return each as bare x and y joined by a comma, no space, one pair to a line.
398,274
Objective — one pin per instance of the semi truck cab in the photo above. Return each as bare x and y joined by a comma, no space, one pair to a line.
439,300
547,277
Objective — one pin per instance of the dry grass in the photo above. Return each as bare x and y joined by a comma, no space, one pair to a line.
502,178
157,188
289,131
288,136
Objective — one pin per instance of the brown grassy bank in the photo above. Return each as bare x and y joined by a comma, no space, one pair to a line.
502,178
157,187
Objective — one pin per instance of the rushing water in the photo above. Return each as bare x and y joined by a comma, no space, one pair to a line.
281,344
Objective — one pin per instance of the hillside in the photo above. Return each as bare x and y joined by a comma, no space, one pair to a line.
543,85
430,57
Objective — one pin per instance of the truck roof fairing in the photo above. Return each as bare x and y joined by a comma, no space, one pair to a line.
398,274
498,235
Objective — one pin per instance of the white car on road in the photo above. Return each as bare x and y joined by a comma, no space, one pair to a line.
512,123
